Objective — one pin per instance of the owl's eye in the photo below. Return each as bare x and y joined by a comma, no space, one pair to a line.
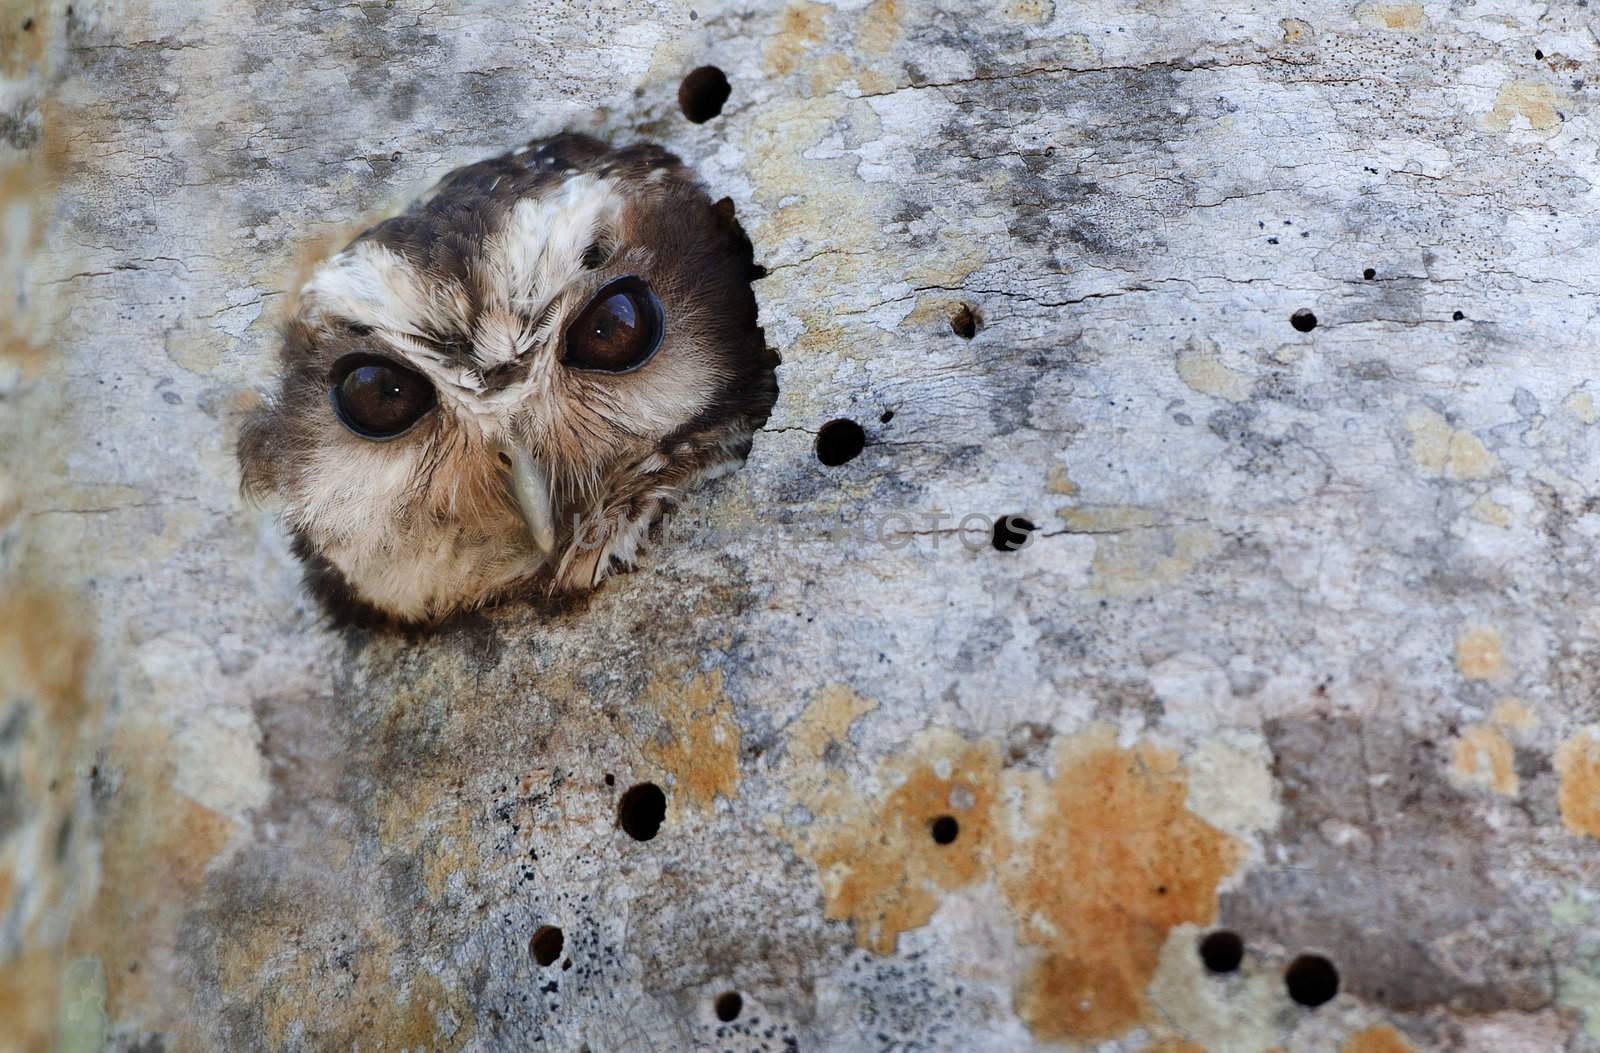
377,398
619,330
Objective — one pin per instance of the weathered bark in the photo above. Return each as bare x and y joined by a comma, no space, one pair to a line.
1303,648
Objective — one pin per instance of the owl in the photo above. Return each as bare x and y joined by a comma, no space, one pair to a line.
501,390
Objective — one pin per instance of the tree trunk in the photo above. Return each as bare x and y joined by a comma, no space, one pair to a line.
1271,323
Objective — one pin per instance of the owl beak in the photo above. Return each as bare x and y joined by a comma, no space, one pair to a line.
530,484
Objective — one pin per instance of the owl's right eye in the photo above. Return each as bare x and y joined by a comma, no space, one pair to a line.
377,398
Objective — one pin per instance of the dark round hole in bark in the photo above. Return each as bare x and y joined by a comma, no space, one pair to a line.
964,323
840,441
1012,533
641,811
945,829
611,780
729,1005
1369,274
1458,316
886,416
1312,980
1222,952
1303,320
1538,54
546,944
703,93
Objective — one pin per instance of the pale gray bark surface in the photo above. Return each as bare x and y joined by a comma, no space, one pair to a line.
1305,646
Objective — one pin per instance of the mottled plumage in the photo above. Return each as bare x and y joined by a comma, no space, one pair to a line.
501,390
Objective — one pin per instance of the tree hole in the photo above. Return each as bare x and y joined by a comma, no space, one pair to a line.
703,93
1369,274
886,416
1012,533
1222,952
729,1005
1303,320
945,829
546,944
840,441
641,811
964,323
1311,980
1458,316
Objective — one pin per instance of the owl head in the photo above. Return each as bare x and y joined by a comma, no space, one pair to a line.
502,389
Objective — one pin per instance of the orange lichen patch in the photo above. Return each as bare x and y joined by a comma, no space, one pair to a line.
800,27
1537,104
287,982
427,816
29,992
698,741
154,851
882,869
1513,714
1096,866
1109,859
1480,654
1408,17
1376,1040
877,29
1578,766
44,662
1483,758
25,31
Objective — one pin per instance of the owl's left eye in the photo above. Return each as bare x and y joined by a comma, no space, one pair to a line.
376,397
618,331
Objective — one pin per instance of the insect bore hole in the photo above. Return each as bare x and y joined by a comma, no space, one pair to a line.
641,811
1312,980
1369,274
1222,952
965,322
840,441
1303,320
546,945
703,94
944,829
728,1006
1012,533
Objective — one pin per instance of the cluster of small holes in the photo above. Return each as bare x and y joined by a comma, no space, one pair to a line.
944,830
840,441
703,93
1311,979
641,811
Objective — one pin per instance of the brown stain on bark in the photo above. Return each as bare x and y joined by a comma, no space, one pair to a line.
44,662
884,872
155,846
1376,1040
380,1010
1096,866
1110,859
1578,766
799,28
698,741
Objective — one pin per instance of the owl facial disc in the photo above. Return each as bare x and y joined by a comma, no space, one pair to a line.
499,391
